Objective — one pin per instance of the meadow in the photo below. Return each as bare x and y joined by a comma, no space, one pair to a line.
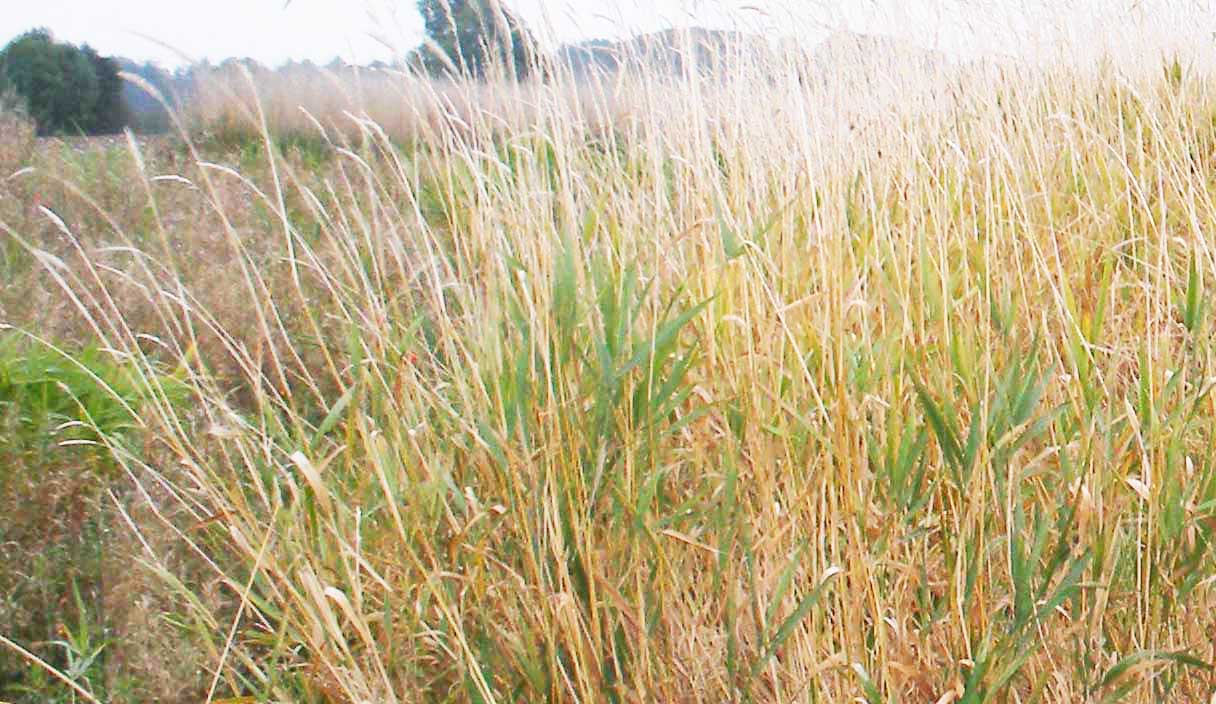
748,385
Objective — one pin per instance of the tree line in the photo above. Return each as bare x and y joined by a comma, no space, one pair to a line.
69,89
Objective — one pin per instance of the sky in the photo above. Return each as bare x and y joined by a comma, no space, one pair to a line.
176,32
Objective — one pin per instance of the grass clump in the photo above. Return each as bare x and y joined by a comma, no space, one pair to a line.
63,416
17,133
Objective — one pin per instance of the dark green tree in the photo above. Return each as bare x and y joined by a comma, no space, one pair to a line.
110,112
66,88
474,36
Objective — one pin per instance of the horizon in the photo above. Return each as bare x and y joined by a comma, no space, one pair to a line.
178,34
274,32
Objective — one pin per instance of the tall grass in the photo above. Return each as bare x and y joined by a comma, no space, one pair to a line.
766,389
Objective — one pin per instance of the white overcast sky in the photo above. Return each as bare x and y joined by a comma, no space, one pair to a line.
272,32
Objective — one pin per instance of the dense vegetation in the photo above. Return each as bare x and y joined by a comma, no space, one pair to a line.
654,387
66,88
470,37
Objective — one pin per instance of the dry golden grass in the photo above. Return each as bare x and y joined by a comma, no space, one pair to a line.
17,132
762,389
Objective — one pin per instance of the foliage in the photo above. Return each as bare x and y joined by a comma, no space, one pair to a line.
68,89
475,38
110,112
59,414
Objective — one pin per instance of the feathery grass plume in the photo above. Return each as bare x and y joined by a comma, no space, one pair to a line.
17,133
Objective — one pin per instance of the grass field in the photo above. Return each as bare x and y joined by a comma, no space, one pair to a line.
658,388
